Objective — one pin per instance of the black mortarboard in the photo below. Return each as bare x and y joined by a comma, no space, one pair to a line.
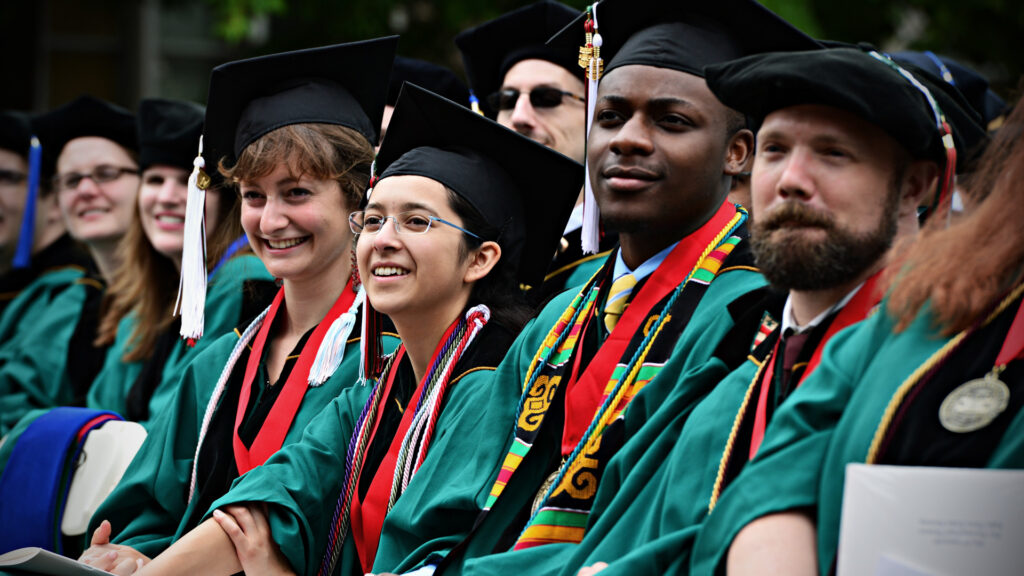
515,183
437,79
490,49
86,116
15,132
852,80
343,84
169,132
683,35
971,84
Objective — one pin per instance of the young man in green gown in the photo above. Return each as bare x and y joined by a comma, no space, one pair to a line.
585,375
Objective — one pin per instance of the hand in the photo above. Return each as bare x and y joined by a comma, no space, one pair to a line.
249,531
114,558
592,569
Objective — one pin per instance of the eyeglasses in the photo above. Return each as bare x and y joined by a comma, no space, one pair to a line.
541,97
99,175
10,177
405,223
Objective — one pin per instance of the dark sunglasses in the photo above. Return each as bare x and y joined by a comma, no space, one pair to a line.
539,98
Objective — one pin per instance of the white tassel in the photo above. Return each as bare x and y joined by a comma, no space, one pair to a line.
332,348
218,391
191,302
591,232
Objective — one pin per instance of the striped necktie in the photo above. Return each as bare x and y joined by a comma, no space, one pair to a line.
617,298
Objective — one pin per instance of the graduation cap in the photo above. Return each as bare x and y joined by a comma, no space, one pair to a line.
437,79
684,35
681,35
15,132
490,49
516,184
343,84
169,132
85,116
924,114
971,84
16,136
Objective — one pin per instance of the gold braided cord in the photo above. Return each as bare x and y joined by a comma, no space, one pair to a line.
628,379
720,477
912,380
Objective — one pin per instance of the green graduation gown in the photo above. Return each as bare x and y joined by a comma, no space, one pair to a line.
302,483
151,506
832,418
230,300
436,513
63,254
50,359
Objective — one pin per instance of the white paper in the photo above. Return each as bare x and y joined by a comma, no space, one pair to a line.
935,521
39,561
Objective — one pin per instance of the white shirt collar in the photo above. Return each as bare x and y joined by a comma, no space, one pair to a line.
789,324
644,270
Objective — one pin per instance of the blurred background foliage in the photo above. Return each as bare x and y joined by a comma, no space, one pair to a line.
985,34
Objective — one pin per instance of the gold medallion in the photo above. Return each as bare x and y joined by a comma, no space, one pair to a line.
974,404
538,500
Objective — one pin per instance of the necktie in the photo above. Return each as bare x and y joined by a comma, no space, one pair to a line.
617,298
792,345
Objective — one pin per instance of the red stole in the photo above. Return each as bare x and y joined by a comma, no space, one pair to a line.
366,516
585,395
855,310
279,420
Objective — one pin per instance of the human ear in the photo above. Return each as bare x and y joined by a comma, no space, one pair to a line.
482,261
739,152
920,183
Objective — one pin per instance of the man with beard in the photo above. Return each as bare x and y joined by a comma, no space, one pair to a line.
847,148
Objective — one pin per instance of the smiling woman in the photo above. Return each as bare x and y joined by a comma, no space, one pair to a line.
293,132
146,355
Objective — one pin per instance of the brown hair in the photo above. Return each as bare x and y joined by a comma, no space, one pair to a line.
963,269
146,282
323,151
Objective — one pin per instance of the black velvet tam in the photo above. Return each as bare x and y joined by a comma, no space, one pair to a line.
15,132
490,49
85,116
437,79
849,79
169,132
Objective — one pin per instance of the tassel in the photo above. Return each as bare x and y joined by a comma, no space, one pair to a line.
332,348
26,237
474,103
191,303
591,232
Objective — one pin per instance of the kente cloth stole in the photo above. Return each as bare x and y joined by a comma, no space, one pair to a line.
629,358
406,450
752,418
